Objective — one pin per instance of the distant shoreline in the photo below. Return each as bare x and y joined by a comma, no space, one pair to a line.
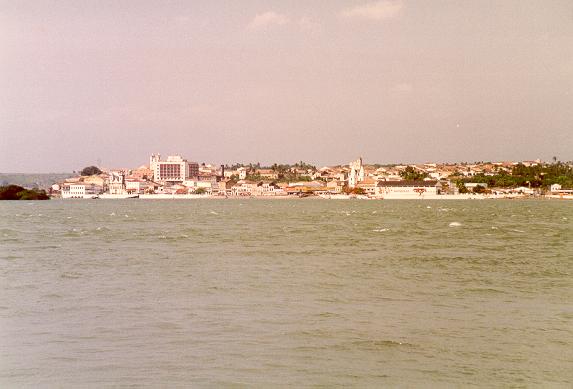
427,197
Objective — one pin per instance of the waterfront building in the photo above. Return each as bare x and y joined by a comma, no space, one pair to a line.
268,189
174,169
244,188
80,190
135,186
473,185
335,186
368,185
408,188
208,183
225,187
116,183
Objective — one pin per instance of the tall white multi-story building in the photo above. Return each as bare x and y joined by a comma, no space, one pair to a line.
174,169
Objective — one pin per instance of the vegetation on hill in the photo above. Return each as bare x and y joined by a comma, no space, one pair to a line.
90,171
412,174
16,192
279,168
534,176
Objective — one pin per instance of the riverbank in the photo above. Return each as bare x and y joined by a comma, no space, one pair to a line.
165,196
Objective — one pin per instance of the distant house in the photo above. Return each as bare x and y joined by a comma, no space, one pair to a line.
268,189
135,186
335,186
242,173
368,185
268,174
226,187
244,188
472,185
557,189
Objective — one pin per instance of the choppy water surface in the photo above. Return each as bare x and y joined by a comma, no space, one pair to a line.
286,292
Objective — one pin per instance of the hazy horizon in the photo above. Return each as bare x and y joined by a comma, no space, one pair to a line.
108,83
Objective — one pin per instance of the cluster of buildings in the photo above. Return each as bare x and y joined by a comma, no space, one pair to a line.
176,177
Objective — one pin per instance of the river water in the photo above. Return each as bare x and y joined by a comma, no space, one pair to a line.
286,293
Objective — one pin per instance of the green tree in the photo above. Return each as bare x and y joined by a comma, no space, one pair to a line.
461,187
412,174
90,171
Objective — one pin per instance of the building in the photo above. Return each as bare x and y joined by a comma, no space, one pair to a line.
473,185
174,169
335,186
80,191
268,189
141,173
208,183
408,188
193,170
368,185
268,174
135,186
242,173
225,187
116,183
244,188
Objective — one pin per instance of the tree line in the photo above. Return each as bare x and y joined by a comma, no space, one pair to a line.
16,192
532,176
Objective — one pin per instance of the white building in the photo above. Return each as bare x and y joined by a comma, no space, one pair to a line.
473,185
133,186
244,188
116,183
174,169
80,191
268,189
242,173
209,184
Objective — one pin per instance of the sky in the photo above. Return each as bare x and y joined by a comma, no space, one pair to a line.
323,81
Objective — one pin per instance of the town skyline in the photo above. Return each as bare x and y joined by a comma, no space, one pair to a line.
175,177
268,164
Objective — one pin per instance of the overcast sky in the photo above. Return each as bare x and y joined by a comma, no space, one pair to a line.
324,81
